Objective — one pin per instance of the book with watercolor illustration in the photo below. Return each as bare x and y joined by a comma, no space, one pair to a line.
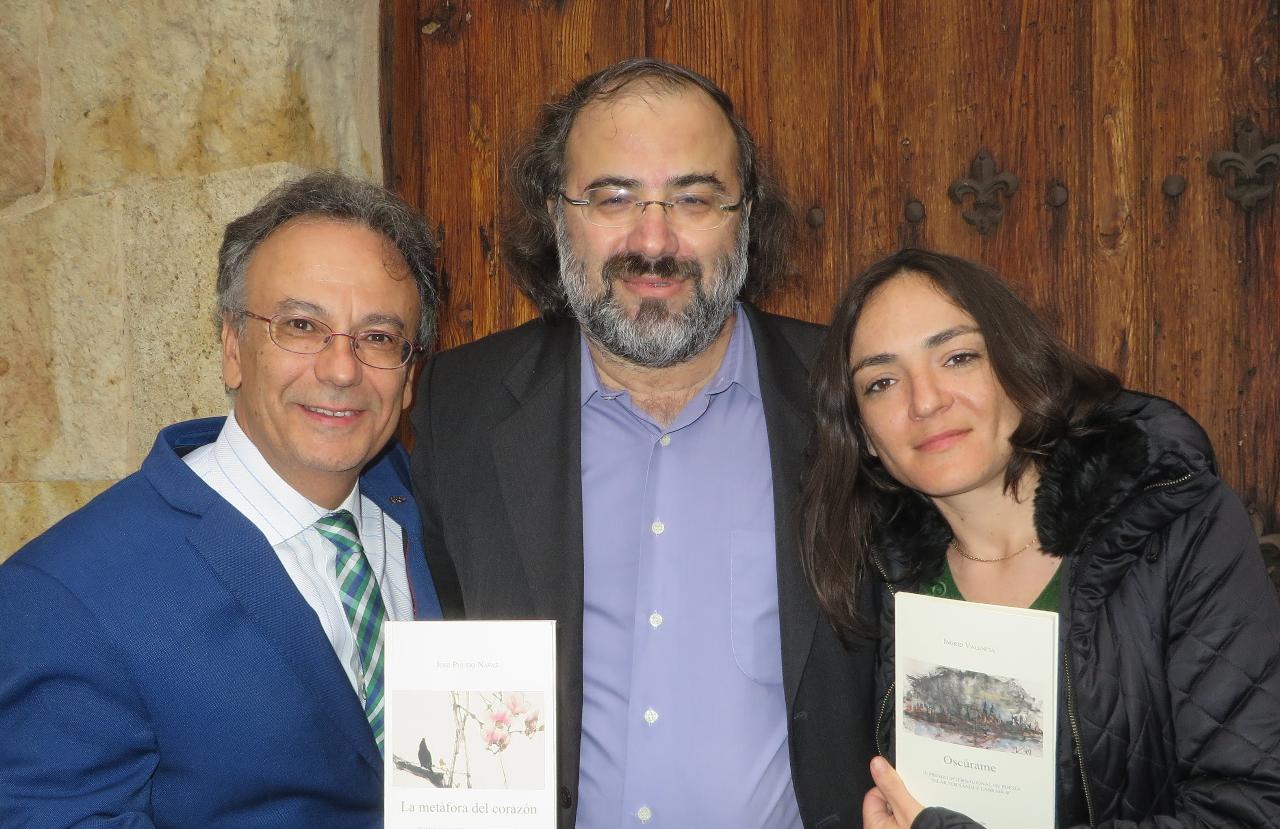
470,725
976,690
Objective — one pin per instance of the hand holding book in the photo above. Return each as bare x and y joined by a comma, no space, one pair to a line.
889,805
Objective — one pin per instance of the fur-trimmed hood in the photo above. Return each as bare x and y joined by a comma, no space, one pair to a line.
1139,464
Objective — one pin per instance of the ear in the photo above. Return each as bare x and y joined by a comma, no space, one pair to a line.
410,382
552,201
232,376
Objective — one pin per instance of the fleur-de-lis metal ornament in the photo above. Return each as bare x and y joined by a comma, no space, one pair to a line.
1255,166
985,183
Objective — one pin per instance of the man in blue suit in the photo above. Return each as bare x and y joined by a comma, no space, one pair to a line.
202,644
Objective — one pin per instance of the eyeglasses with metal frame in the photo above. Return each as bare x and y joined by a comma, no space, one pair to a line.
374,347
618,207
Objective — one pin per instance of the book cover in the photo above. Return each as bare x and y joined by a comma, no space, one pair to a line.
470,725
976,690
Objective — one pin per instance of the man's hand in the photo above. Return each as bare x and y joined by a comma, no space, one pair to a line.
889,805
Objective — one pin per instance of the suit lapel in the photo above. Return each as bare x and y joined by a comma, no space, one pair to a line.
537,451
784,387
385,483
246,565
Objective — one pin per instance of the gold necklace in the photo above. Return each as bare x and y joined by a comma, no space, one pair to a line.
955,542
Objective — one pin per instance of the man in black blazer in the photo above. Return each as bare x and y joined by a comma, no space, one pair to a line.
628,466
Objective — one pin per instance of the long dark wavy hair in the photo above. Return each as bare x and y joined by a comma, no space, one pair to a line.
537,173
847,491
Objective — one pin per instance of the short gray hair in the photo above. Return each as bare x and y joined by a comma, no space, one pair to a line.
331,195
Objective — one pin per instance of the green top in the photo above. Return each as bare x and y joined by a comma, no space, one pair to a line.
945,587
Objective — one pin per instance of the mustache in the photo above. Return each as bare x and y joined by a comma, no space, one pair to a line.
625,265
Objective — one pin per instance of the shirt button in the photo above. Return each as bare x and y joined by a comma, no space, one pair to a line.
658,527
665,440
644,813
650,716
655,619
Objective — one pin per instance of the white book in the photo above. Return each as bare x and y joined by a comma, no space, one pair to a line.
470,731
976,694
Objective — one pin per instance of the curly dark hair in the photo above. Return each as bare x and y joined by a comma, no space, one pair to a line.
846,489
537,173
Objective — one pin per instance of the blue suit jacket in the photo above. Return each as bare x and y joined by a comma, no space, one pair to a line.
158,666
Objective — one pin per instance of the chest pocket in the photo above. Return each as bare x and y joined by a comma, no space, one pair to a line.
753,606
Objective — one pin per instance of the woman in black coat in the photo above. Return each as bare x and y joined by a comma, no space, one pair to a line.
962,450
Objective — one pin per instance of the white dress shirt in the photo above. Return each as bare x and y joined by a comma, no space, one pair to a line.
234,468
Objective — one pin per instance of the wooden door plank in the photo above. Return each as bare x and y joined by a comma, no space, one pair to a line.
1252,40
1119,297
803,86
1189,258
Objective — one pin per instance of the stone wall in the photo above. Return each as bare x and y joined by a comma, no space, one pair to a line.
130,133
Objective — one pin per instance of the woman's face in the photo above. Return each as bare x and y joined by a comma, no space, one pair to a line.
930,404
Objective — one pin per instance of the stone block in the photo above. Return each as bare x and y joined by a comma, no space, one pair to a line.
180,89
28,509
171,236
22,137
63,399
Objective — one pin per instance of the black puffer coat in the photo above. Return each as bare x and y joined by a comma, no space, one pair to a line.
1169,710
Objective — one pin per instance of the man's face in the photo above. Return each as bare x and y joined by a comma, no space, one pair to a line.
319,418
650,293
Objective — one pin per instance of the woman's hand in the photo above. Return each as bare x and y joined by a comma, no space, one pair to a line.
889,805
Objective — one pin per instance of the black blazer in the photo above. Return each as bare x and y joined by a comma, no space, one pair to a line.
497,473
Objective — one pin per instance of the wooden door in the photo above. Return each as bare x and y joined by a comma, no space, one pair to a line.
873,114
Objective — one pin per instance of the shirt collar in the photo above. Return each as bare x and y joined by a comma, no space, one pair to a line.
738,366
283,511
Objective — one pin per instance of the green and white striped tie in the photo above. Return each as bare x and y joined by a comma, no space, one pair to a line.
362,602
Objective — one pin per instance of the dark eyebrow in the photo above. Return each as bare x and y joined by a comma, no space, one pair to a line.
873,360
289,305
678,182
690,179
620,182
932,341
950,334
382,320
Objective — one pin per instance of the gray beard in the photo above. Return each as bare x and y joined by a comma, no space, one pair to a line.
656,337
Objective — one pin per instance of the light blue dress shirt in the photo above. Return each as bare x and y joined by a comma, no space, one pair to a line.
683,716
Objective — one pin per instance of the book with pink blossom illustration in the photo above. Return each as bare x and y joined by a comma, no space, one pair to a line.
976,692
470,725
